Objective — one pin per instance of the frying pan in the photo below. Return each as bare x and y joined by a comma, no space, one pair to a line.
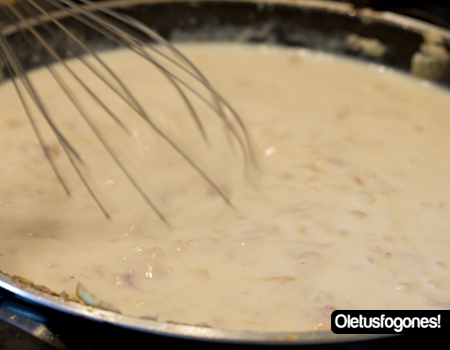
318,25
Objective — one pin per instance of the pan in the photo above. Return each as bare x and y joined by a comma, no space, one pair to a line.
317,25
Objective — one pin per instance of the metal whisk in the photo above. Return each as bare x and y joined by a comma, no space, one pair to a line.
24,16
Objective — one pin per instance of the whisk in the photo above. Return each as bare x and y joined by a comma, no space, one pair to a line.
24,16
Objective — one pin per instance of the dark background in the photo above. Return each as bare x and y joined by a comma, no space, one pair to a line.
434,11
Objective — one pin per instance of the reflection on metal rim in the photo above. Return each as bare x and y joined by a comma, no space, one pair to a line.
33,295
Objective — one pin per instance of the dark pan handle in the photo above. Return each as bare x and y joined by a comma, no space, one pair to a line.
19,323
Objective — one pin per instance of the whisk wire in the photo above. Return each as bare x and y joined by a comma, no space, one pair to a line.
139,50
127,97
11,60
132,39
122,37
3,54
142,112
128,41
88,120
38,102
62,62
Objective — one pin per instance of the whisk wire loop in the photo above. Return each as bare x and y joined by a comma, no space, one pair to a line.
142,112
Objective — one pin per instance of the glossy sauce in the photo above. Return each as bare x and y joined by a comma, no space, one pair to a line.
349,208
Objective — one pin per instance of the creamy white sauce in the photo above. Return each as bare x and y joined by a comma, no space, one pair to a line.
349,209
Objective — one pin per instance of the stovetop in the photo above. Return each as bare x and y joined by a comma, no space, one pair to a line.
67,332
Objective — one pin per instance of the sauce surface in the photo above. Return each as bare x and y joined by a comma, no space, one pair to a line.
349,208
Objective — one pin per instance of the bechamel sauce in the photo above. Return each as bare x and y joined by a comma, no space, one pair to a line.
349,210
